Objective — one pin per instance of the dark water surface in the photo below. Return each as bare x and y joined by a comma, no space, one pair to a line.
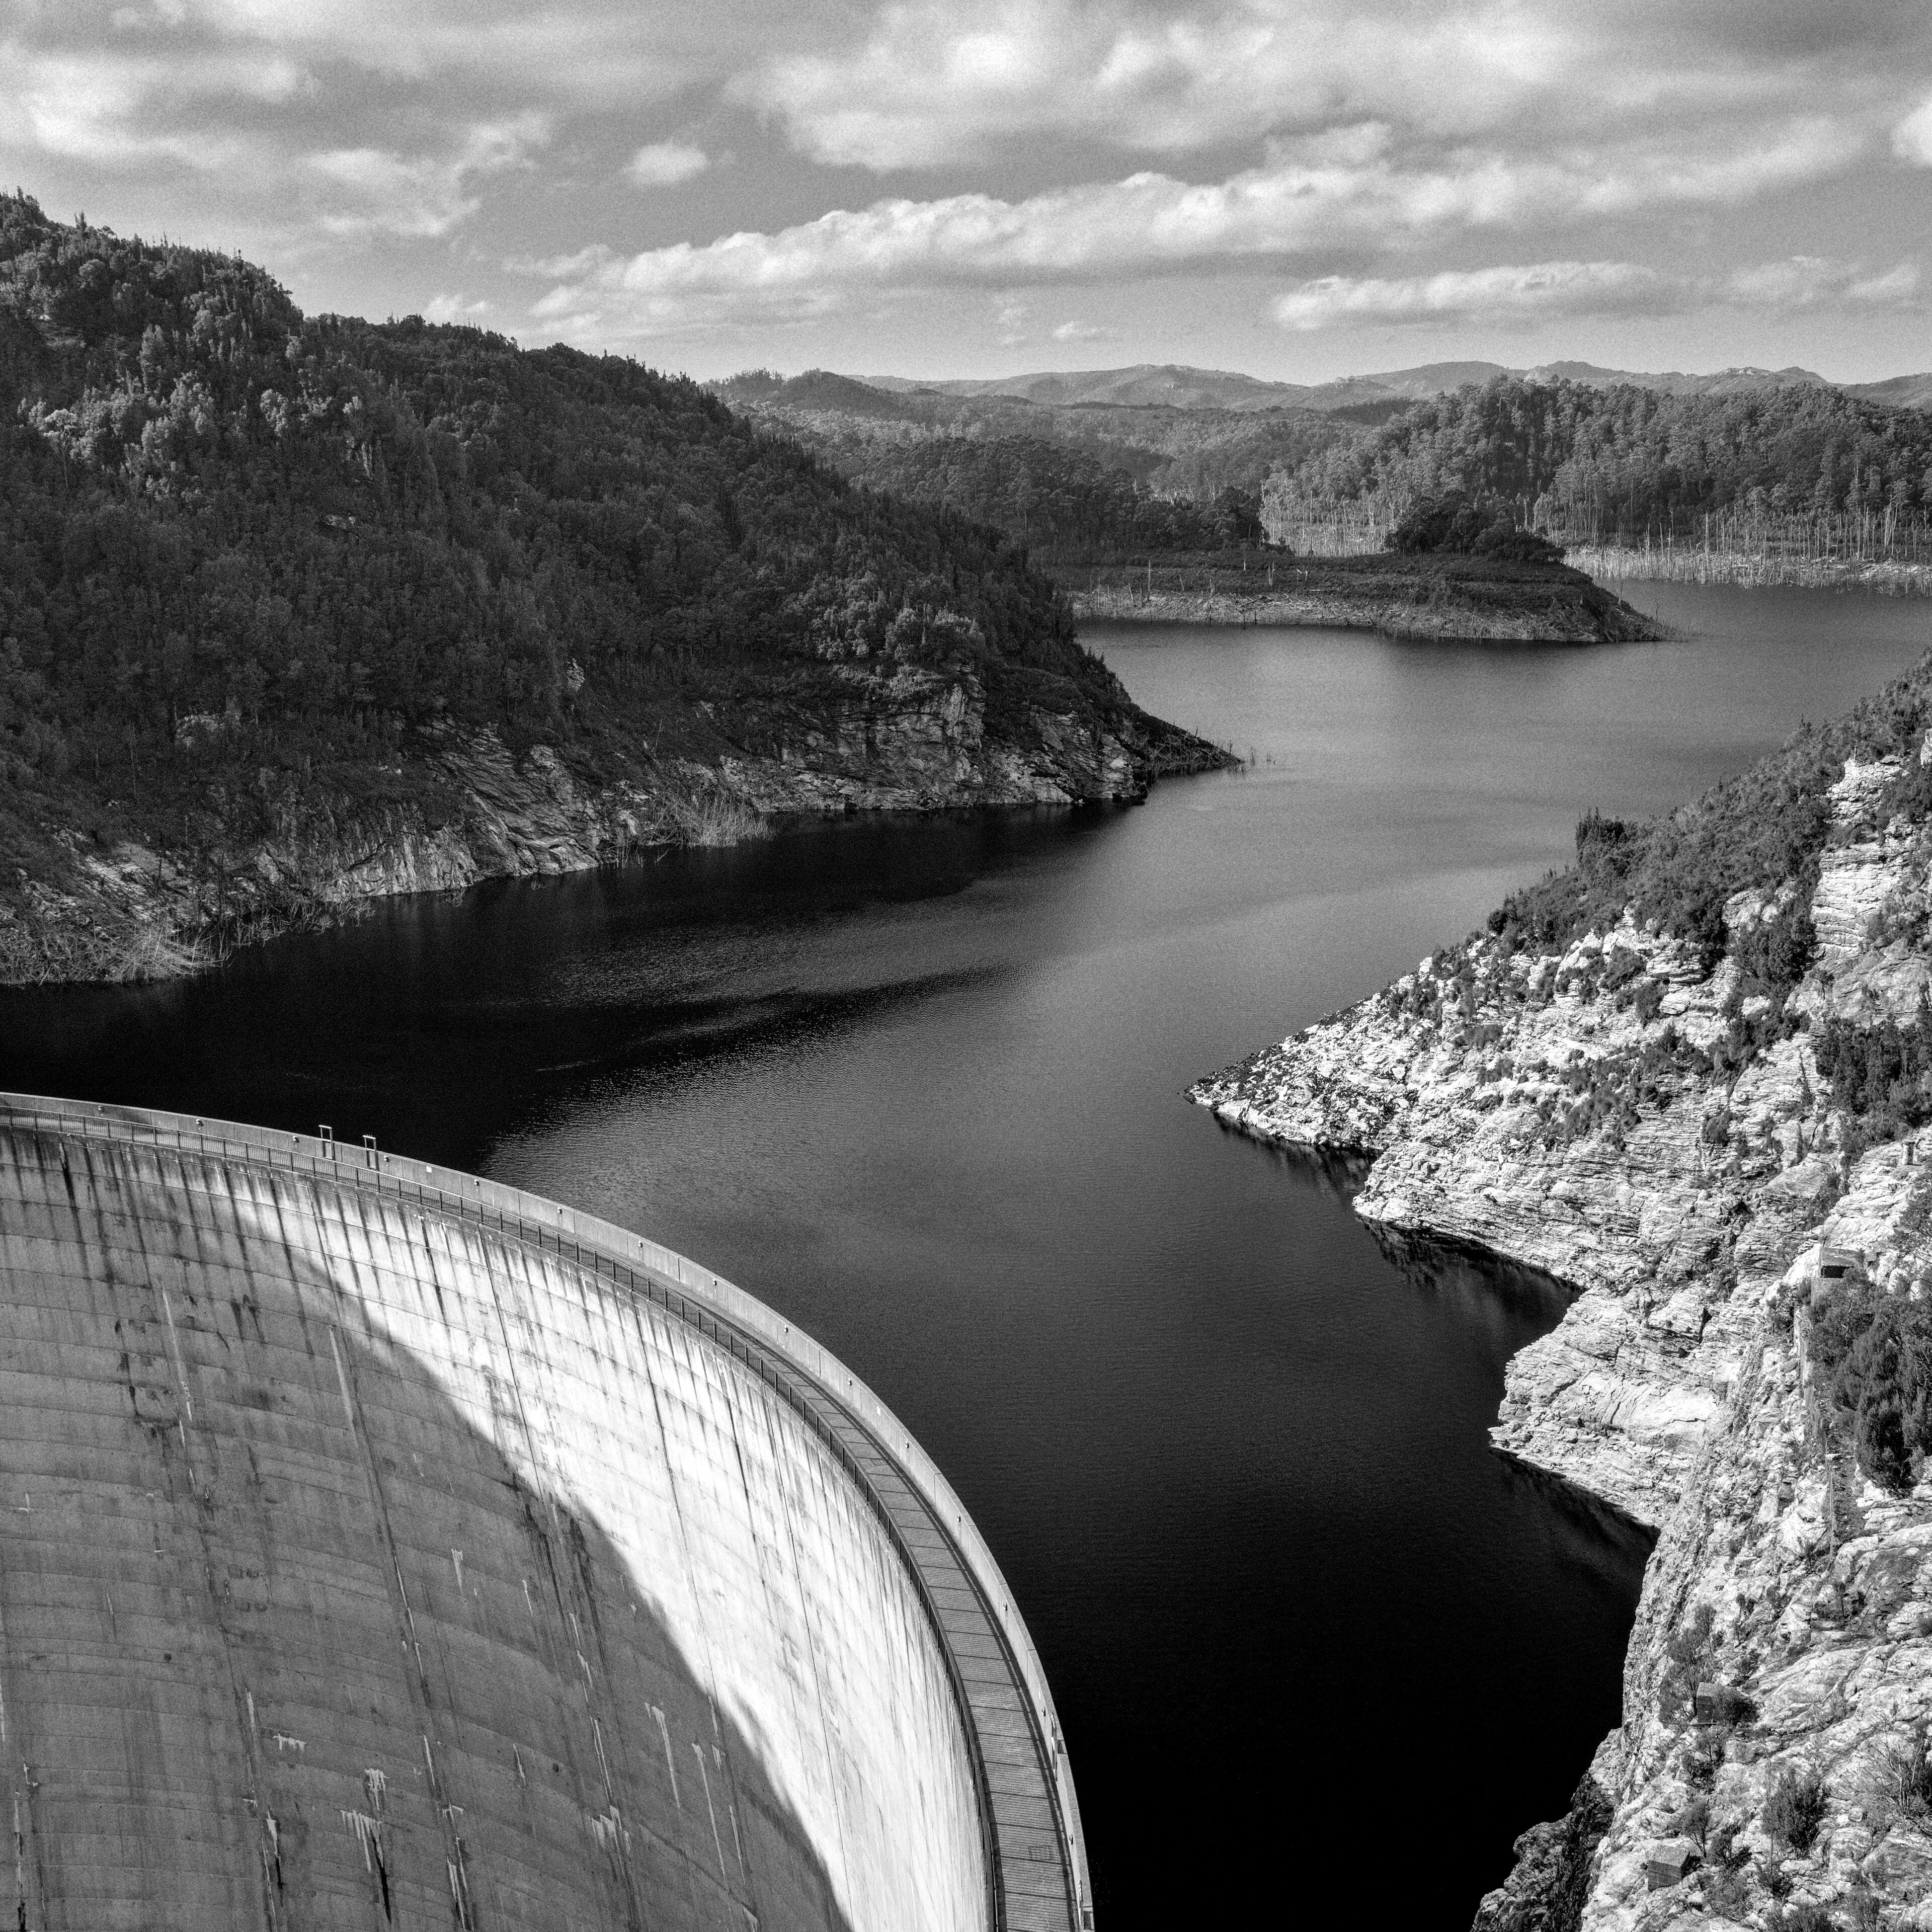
917,1085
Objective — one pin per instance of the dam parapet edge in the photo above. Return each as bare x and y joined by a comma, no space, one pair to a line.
1038,1877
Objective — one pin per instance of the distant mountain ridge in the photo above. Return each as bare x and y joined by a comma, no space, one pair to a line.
1031,455
1898,392
1177,386
1194,453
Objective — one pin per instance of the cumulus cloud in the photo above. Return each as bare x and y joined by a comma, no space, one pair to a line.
1348,140
1009,320
935,82
1897,288
1812,281
1530,292
926,82
456,308
96,110
665,163
1540,291
584,50
276,109
1911,139
1083,331
1356,198
375,191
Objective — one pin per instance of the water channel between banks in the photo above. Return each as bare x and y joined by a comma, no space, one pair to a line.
917,1086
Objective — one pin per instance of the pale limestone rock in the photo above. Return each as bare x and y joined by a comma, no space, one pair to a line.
1667,1388
1854,882
1903,1862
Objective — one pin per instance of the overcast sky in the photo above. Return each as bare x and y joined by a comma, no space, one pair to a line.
1299,188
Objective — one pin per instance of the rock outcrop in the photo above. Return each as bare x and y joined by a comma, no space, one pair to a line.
1553,1862
1396,596
1651,1126
458,808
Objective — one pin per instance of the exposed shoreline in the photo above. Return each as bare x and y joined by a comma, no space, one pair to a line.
465,809
1629,564
1565,1113
1421,599
1386,619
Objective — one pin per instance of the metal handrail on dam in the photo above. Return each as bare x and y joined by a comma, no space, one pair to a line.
1036,1856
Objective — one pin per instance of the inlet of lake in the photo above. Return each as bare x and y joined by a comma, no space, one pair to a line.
918,1084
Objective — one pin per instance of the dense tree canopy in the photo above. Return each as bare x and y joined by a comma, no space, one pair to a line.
227,529
1450,524
1055,474
1061,501
1583,461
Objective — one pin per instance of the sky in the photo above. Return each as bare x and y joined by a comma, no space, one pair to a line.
1301,189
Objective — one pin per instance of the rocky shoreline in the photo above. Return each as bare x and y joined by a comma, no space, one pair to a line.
458,808
1651,1126
1549,604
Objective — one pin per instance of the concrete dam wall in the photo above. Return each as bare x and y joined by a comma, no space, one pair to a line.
382,1547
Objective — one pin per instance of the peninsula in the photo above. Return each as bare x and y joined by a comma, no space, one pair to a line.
1749,476
1141,513
1418,596
1689,1078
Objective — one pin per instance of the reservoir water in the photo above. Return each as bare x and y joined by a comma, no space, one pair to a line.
918,1085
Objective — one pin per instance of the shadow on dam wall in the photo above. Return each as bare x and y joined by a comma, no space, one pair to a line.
303,1625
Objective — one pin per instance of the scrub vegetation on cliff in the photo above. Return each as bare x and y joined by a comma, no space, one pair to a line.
1689,1075
1875,1351
256,566
1761,836
1761,830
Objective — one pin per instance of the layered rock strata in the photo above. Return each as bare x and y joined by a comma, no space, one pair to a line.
461,808
1645,1127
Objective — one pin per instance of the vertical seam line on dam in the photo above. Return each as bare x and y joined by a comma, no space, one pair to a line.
1035,1859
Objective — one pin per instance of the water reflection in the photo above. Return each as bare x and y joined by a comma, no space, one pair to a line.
1471,1280
1334,1171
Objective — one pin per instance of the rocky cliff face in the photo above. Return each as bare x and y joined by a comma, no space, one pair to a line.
1654,1128
455,809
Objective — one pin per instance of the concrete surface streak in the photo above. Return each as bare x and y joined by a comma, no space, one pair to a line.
380,1546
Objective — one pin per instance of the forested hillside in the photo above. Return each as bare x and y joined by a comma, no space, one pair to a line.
244,552
1778,461
1129,509
1594,463
1086,479
1061,501
323,530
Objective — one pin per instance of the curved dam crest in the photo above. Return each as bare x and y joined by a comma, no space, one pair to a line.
392,1547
